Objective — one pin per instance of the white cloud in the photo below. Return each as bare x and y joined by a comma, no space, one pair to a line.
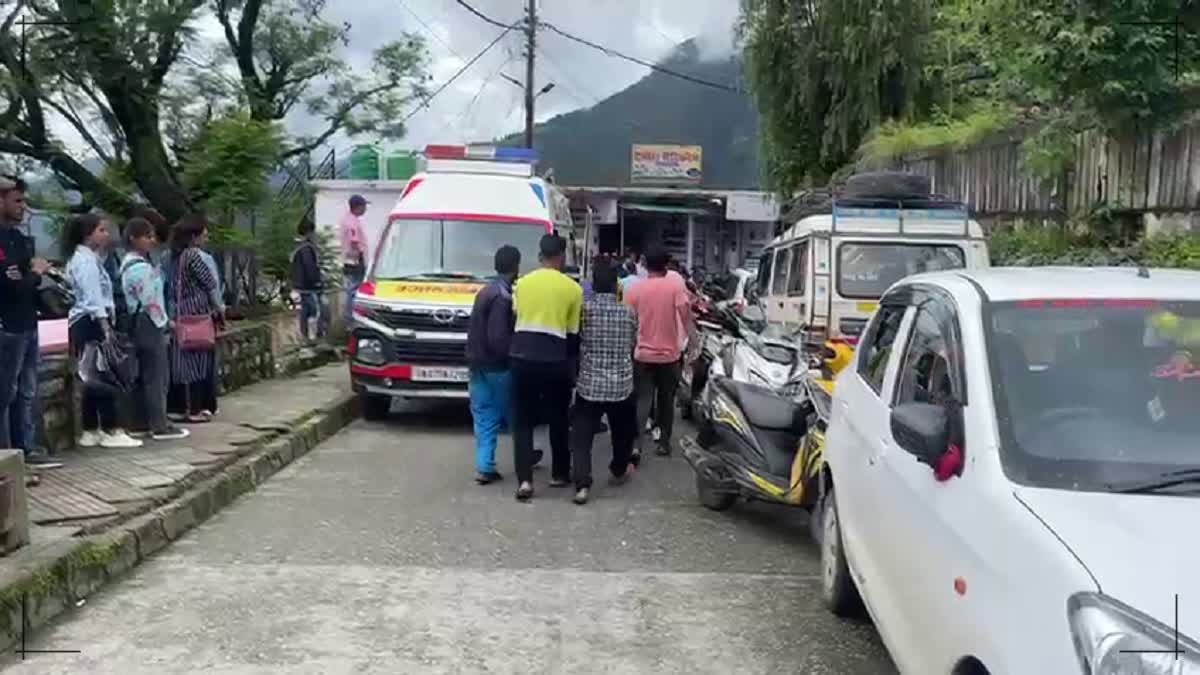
481,105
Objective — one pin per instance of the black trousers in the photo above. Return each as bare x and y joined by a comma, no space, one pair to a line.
656,384
622,420
98,409
541,395
154,367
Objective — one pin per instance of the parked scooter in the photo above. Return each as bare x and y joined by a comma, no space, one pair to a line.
759,443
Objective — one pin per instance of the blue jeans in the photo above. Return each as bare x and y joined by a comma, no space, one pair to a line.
312,306
491,396
18,389
350,283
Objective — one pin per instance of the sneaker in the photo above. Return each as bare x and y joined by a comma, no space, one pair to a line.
118,439
171,433
656,434
41,460
581,496
617,481
525,492
89,439
559,482
486,477
663,450
537,456
635,458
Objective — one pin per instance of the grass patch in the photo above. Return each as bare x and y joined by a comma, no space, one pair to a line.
893,139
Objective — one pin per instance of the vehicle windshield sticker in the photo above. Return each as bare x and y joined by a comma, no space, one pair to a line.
1156,410
1180,368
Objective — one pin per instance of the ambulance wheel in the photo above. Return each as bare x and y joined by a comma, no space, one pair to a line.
712,498
375,407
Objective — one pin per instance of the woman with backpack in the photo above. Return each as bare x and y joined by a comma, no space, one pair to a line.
142,283
85,239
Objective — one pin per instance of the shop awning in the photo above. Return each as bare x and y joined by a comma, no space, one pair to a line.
665,208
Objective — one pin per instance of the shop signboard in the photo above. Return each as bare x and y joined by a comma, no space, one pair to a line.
666,164
754,207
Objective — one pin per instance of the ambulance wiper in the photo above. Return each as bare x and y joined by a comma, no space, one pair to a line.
438,275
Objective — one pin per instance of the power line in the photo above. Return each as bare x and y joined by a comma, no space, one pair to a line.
573,85
432,32
462,70
640,62
485,17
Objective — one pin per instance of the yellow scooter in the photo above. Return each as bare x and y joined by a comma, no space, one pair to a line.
761,444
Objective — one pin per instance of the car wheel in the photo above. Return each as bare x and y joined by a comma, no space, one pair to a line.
375,407
837,588
712,498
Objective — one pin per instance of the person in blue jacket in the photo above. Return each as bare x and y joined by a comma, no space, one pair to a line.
489,339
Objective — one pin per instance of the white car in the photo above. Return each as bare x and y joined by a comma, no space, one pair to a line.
1013,476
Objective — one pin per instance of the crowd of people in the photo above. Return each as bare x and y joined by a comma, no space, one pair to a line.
160,303
542,353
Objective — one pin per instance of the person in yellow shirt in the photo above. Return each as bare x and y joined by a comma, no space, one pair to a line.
545,342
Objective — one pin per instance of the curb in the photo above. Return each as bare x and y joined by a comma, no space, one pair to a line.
62,574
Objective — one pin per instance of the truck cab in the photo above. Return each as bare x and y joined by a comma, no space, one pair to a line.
412,313
825,274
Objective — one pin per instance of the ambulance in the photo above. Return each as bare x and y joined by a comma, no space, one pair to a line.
411,315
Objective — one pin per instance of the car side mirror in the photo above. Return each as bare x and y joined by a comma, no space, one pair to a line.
922,429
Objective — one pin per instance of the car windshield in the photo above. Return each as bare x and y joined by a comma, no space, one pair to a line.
867,270
452,248
1095,393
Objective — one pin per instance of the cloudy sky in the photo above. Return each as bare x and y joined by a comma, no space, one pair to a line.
481,105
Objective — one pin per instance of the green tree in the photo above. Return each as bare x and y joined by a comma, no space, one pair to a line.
824,72
284,48
226,166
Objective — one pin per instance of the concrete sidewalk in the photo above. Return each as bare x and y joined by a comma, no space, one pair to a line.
106,510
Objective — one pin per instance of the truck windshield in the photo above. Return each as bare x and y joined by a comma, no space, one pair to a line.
1096,393
868,269
457,248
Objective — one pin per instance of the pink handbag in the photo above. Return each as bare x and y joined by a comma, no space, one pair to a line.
195,332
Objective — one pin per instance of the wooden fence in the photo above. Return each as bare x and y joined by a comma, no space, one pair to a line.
1150,172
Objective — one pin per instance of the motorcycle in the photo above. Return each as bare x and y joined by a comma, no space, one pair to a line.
761,443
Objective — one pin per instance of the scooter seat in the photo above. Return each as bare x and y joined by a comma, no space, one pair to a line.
763,408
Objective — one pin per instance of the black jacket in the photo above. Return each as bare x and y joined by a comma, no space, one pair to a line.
306,267
489,337
18,298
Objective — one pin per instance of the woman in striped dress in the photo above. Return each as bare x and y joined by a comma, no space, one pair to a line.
191,289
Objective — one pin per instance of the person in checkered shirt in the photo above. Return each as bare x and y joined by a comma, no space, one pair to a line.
608,335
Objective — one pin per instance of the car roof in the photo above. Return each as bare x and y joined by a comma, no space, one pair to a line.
1006,284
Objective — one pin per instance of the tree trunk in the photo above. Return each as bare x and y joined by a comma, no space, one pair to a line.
151,168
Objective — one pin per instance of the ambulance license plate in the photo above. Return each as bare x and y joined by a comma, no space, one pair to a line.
440,374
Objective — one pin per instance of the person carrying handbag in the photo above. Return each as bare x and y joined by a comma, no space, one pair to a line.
193,350
90,320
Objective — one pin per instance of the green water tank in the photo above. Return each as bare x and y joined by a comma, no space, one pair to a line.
364,163
401,165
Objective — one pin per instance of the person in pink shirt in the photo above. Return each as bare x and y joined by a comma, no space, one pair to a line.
663,310
354,251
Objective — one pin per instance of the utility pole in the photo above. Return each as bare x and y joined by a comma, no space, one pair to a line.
530,43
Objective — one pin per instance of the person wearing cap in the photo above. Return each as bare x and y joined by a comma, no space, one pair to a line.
354,251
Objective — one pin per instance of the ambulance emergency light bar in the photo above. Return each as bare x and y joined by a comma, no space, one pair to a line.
481,152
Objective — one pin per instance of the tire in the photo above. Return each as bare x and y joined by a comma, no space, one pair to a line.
375,407
710,498
838,591
888,184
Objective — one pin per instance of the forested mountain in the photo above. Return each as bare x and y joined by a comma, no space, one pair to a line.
592,146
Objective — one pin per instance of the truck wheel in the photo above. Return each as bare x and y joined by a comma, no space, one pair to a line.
837,587
375,407
712,498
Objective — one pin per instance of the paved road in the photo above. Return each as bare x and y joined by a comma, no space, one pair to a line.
378,554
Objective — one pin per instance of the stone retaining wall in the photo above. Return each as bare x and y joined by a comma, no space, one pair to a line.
251,351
